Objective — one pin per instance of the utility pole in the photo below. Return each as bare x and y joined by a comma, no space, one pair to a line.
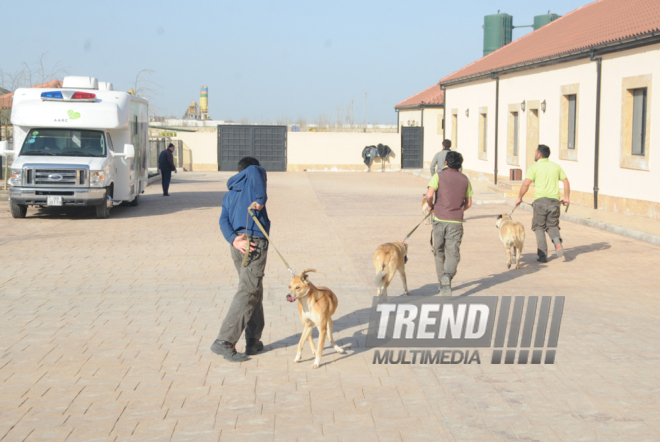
364,117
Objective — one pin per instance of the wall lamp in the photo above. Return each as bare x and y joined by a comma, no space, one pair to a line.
467,112
543,106
522,106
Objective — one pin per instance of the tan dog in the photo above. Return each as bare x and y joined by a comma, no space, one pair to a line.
389,258
512,234
316,306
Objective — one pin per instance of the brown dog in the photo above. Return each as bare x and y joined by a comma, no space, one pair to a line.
512,234
316,306
389,258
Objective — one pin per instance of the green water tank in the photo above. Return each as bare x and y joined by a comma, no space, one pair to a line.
542,20
498,30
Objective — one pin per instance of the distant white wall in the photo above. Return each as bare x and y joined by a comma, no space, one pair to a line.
340,150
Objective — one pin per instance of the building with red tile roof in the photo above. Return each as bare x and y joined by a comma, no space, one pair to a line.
7,99
582,85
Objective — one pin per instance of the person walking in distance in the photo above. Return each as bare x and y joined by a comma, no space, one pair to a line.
453,196
546,176
438,162
439,158
166,166
247,189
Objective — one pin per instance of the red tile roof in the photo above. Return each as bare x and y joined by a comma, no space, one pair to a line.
597,23
432,96
6,99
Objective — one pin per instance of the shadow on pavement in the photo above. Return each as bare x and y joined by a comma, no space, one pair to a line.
531,266
152,204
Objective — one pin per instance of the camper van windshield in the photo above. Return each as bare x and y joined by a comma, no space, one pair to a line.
64,143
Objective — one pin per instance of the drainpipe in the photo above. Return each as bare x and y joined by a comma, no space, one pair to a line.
421,110
444,111
599,66
497,114
397,120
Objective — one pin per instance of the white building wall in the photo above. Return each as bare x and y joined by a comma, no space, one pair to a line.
615,180
622,189
472,96
546,84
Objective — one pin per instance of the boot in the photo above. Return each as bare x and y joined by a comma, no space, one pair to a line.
253,346
542,256
445,285
228,351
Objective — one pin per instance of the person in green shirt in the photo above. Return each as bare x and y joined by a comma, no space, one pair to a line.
546,176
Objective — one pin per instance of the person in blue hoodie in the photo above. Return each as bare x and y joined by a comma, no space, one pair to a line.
246,313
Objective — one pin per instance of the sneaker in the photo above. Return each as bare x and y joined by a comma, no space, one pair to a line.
559,248
253,346
228,351
445,285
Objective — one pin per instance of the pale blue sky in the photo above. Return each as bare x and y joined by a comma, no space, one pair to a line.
262,60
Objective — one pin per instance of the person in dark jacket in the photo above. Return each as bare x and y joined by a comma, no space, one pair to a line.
247,189
166,166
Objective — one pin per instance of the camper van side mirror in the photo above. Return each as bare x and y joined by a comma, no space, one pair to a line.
4,149
129,151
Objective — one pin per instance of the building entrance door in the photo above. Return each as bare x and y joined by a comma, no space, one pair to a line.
412,147
532,137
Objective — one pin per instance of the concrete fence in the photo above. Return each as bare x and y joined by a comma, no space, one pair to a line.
320,151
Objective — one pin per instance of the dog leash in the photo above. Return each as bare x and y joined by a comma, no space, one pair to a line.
247,247
515,207
413,230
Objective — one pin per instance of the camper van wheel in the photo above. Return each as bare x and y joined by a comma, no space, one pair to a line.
18,210
135,202
102,211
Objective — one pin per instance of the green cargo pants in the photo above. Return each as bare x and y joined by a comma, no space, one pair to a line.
546,219
447,247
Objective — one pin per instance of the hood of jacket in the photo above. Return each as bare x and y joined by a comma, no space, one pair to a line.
238,182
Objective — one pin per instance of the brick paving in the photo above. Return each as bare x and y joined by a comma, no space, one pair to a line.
107,324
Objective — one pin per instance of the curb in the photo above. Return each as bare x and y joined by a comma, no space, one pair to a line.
612,228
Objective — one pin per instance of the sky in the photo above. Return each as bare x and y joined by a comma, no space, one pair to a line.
263,61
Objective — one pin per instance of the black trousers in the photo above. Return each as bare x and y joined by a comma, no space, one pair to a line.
167,177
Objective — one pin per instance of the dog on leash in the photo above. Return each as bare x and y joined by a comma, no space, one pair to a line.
389,258
316,306
512,234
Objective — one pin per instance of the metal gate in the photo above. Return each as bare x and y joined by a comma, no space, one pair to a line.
412,147
265,143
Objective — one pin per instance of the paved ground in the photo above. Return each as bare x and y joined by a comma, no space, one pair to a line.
106,325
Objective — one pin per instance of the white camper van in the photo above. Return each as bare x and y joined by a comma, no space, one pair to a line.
82,145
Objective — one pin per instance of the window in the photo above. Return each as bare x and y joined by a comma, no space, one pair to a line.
636,99
454,129
639,121
483,134
572,100
515,134
569,122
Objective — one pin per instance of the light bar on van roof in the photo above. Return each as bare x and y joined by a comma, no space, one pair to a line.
83,96
52,95
65,95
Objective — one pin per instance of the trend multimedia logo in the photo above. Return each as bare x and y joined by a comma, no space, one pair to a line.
448,324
